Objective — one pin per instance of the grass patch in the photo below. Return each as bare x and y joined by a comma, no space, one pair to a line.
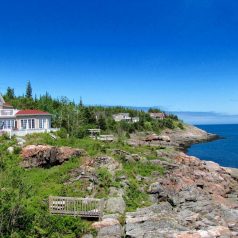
135,198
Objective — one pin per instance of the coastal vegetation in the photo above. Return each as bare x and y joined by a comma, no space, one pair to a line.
24,193
77,118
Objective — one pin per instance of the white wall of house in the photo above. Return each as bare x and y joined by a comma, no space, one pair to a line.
125,117
7,118
24,122
135,119
7,123
33,122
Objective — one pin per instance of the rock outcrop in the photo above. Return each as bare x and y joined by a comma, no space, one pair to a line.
180,138
188,136
196,199
47,156
115,205
109,227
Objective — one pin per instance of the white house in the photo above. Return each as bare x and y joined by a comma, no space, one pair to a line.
22,122
122,117
125,117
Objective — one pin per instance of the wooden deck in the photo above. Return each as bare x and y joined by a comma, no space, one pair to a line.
71,206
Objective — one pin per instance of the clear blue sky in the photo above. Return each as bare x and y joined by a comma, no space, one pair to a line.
178,54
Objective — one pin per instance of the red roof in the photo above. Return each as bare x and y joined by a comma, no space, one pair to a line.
32,112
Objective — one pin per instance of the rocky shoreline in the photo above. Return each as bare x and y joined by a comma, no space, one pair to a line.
180,139
193,199
189,136
196,199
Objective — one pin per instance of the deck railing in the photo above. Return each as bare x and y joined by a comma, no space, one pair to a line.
82,207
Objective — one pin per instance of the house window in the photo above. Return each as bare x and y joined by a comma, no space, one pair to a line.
6,112
7,124
28,124
1,124
33,124
23,124
42,123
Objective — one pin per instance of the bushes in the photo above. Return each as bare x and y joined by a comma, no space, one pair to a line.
105,181
62,133
135,197
168,123
180,125
24,195
15,215
45,225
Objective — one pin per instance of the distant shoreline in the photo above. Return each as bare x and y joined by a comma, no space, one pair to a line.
223,149
213,137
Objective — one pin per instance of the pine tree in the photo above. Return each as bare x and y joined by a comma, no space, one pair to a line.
102,122
81,102
28,90
10,94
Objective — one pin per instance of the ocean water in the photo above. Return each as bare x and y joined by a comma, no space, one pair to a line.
223,151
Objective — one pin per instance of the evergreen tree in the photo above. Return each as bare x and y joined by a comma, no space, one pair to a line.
81,102
10,94
28,90
102,123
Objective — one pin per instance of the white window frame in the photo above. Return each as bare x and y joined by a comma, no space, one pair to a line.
7,124
43,123
27,124
23,124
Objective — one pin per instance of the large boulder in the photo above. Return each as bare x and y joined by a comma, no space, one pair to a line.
46,155
108,228
155,188
20,141
115,205
10,150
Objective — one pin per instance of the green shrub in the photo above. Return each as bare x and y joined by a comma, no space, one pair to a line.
45,225
180,125
135,197
105,181
62,133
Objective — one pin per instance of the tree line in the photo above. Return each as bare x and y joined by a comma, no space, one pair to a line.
75,118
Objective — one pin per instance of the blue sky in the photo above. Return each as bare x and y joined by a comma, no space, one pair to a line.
181,55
